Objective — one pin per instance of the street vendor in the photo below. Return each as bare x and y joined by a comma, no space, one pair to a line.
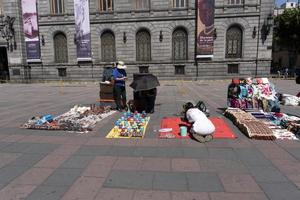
202,128
119,77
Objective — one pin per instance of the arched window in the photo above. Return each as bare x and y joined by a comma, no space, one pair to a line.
108,47
179,44
57,6
60,48
143,46
234,37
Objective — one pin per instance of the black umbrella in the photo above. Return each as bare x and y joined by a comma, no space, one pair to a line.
144,82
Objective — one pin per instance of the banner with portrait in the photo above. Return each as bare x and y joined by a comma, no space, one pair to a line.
82,29
205,28
31,29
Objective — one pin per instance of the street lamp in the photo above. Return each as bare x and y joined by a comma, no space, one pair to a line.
7,31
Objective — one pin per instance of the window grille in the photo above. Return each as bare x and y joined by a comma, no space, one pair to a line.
60,48
108,49
143,46
234,42
106,5
57,6
180,44
179,3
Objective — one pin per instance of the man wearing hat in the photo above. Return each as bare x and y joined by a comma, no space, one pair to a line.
119,76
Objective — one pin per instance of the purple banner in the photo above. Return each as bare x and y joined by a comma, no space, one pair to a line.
31,30
82,29
205,28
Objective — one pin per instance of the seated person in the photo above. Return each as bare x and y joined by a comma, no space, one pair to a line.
202,128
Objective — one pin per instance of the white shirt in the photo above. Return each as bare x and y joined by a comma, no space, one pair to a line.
201,124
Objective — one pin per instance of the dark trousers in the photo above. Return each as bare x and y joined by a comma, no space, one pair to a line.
120,96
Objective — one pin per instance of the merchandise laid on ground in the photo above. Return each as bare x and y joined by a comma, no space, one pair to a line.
78,119
174,127
130,125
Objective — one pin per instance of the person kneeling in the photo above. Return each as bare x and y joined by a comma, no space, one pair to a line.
202,128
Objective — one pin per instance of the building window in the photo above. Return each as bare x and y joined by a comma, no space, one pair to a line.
57,6
62,72
235,2
234,38
106,5
179,70
143,69
60,48
233,69
179,44
142,4
108,47
179,3
143,46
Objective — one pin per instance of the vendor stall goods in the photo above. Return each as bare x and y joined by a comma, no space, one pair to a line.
257,93
130,125
249,125
78,119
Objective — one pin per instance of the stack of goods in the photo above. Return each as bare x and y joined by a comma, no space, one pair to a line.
79,119
130,125
106,91
249,125
258,93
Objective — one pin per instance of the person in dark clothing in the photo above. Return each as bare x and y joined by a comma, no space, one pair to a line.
120,76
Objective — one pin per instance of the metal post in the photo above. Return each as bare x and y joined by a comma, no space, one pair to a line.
257,46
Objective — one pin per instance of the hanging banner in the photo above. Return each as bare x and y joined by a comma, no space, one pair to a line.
205,28
31,31
82,29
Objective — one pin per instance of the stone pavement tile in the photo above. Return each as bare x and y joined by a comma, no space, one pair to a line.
169,143
145,151
62,177
93,150
267,174
47,193
114,194
204,182
128,163
189,196
147,142
192,143
288,143
156,164
130,180
27,160
3,136
31,138
16,147
170,152
12,138
33,176
185,165
287,166
151,195
222,153
237,196
222,166
99,141
15,192
276,153
6,158
52,161
4,144
52,139
65,150
8,173
99,167
252,157
279,191
79,140
170,181
239,183
125,142
121,151
84,188
200,152
295,178
295,152
297,184
77,162
40,148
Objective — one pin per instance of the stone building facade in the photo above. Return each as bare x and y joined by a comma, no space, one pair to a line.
165,28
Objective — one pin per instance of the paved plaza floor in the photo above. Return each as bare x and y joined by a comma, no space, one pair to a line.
50,165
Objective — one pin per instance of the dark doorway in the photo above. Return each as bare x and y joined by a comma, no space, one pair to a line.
4,72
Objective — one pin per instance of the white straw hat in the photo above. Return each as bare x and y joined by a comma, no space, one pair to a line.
121,65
